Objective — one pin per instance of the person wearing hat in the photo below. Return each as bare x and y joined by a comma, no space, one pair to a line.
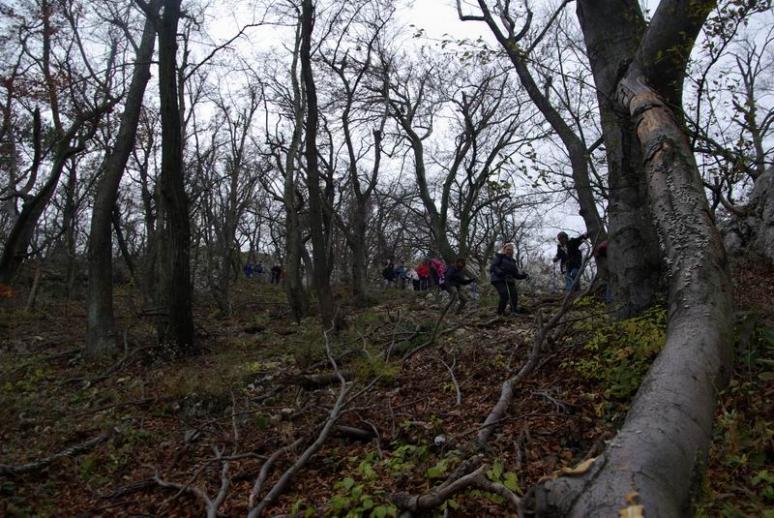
503,273
568,252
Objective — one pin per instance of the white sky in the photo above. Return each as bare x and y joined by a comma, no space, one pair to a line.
438,20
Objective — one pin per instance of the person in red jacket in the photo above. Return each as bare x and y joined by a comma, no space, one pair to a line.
423,271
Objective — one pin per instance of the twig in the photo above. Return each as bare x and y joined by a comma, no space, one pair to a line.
211,505
453,378
394,333
431,341
234,425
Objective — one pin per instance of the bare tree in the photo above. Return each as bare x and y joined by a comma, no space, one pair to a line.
101,326
74,120
176,326
317,211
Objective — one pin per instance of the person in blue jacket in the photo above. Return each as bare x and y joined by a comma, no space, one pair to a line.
503,273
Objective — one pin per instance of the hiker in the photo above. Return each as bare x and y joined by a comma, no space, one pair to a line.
414,277
248,269
455,278
399,275
503,272
259,271
388,273
570,257
437,276
423,272
276,274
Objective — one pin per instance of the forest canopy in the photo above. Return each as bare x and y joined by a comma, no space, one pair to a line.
313,212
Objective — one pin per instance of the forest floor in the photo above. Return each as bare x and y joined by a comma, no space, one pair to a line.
263,383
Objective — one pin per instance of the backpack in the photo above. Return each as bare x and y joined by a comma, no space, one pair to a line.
440,270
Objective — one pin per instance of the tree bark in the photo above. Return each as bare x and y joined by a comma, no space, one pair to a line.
660,449
101,326
177,326
612,32
321,273
294,285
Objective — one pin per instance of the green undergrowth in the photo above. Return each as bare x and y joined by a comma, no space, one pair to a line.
739,481
616,355
368,481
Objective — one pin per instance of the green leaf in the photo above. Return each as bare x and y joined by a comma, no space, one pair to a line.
339,502
438,470
496,472
512,482
367,470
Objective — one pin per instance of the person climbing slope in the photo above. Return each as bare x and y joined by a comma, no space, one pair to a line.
455,279
570,257
503,273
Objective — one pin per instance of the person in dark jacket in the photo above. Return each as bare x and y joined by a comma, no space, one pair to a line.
568,252
503,273
455,278
388,273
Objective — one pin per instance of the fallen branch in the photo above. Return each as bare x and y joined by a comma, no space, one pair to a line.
11,470
453,378
454,484
288,475
433,336
212,505
313,381
264,473
357,434
506,391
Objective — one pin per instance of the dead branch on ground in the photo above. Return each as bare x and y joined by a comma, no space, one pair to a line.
453,378
543,330
288,475
433,336
18,469
212,505
470,473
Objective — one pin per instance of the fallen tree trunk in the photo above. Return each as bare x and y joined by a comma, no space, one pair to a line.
660,449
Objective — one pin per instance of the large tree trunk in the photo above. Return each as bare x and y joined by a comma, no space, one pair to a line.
177,326
762,205
634,266
294,285
101,326
321,273
659,451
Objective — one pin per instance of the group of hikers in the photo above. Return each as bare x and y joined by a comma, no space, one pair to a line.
432,274
256,272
